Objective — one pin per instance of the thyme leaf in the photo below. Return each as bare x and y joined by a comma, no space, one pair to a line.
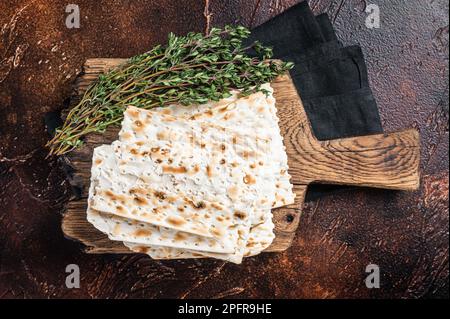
191,69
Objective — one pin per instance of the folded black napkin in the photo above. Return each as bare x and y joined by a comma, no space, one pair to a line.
338,72
326,116
326,27
331,80
295,30
325,74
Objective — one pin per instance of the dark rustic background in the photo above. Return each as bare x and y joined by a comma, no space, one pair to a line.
406,234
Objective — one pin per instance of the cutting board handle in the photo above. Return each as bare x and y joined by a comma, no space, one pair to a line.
384,160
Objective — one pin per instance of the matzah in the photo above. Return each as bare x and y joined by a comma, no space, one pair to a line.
218,164
260,238
164,146
122,228
231,228
255,113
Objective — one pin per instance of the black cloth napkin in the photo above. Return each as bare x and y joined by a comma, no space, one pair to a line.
293,31
331,79
330,74
326,27
325,73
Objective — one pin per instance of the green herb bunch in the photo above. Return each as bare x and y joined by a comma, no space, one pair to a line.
190,69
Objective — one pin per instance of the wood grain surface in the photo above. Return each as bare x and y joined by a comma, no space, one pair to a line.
405,233
383,161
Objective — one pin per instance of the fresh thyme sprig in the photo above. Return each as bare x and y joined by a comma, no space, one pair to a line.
195,68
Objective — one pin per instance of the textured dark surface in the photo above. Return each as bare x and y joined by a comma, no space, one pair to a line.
406,234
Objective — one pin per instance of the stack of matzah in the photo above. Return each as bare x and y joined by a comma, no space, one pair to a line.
193,182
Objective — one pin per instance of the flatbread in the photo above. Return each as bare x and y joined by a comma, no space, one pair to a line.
128,196
200,159
120,228
261,236
255,113
227,226
261,109
212,160
182,150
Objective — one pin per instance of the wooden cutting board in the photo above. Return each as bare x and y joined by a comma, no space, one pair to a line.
384,161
